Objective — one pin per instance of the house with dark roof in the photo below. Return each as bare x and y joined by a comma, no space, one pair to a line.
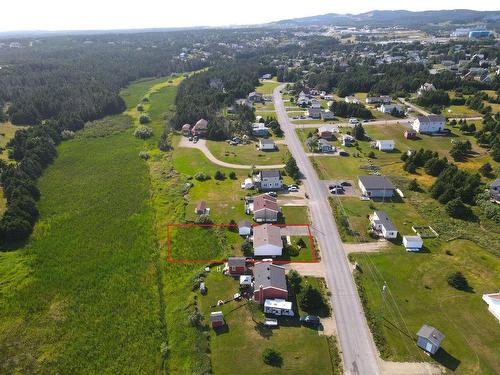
381,223
201,208
325,146
186,130
265,209
270,180
269,282
376,186
313,112
267,240
429,339
255,97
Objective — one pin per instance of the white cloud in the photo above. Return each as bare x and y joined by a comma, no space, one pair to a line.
124,14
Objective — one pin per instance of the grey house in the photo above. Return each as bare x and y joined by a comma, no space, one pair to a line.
495,190
376,186
429,339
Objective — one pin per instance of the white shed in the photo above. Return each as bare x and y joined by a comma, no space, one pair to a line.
247,184
385,145
413,243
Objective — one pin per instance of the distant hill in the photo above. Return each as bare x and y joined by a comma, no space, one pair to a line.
396,17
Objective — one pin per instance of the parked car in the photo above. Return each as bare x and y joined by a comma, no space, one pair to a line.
311,320
335,186
337,191
345,183
293,189
190,139
272,194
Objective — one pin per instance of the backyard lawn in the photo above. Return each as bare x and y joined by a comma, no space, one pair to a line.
247,154
419,294
244,338
295,214
265,115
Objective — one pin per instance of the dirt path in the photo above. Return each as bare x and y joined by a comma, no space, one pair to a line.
365,247
307,269
409,368
202,146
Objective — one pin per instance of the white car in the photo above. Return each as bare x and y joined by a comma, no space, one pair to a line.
293,189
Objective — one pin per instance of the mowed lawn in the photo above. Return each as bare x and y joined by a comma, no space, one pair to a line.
419,294
267,87
247,154
239,346
82,296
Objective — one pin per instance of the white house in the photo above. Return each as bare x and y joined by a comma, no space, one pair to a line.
429,124
388,108
426,87
385,145
381,222
347,140
352,99
327,115
413,243
278,307
493,301
270,180
315,103
266,144
267,240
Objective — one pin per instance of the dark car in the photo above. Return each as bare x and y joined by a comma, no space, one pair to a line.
345,183
311,320
335,186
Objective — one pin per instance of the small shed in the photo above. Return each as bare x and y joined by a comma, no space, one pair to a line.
413,243
186,130
217,319
410,134
201,208
203,288
278,307
245,281
236,265
247,184
244,228
429,339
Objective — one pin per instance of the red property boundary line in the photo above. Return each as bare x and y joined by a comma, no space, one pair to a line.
221,261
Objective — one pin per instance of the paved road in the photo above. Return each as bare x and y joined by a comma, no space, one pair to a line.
358,350
414,107
202,146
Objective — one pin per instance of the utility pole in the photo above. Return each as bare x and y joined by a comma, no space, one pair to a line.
384,288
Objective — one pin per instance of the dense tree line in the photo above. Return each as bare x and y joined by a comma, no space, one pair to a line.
343,109
204,94
489,135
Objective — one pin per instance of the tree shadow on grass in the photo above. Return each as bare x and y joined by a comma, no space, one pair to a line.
221,330
263,330
446,359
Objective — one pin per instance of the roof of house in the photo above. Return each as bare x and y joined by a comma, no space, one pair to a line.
265,201
347,137
216,316
202,205
201,124
431,334
267,234
266,141
278,304
323,142
269,275
186,127
495,183
384,220
328,128
255,93
270,174
385,141
431,118
236,262
412,238
376,183
314,110
244,224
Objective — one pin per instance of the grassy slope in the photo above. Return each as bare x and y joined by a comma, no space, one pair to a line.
247,154
85,298
418,284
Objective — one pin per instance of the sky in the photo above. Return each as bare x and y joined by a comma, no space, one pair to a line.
135,14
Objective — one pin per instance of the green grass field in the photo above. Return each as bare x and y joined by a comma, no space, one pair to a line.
89,257
247,154
419,294
265,115
267,87
295,214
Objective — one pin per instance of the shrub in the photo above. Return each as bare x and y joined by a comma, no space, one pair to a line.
144,119
219,176
371,155
312,300
195,318
232,175
144,155
203,219
143,132
292,169
140,107
295,280
413,185
291,250
457,209
301,243
247,248
486,169
272,357
200,176
458,281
